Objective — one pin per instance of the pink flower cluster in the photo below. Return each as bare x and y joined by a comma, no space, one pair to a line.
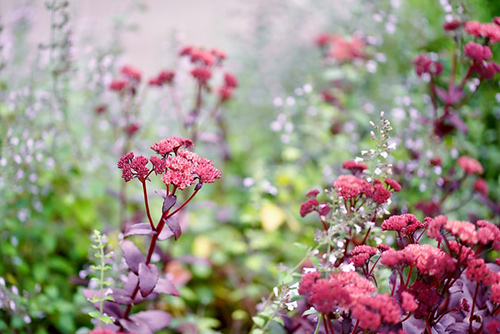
405,224
465,231
380,194
185,168
171,145
312,204
351,187
165,77
480,53
133,167
424,65
477,52
355,167
230,83
361,254
490,31
470,165
350,292
339,48
130,80
180,168
204,61
477,271
429,260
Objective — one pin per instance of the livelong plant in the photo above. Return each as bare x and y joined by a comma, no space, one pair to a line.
436,284
180,169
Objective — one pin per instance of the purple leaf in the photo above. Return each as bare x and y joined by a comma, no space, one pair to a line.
165,286
112,309
173,225
169,202
135,326
89,293
457,122
139,229
121,296
132,255
131,283
148,276
165,234
458,328
155,319
449,97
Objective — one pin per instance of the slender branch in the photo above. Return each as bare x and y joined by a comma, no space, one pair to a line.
355,327
152,244
472,308
325,325
146,202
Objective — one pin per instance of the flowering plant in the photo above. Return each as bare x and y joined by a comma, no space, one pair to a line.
180,169
429,276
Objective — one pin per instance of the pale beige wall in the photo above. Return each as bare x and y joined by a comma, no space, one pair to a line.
209,23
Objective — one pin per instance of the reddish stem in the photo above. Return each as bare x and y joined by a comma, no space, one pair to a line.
325,325
355,326
152,244
366,237
428,326
146,202
466,77
408,278
472,309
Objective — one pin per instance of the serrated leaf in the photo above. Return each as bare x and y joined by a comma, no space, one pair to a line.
148,276
132,255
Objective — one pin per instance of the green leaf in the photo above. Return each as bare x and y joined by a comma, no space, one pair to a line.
94,314
310,311
279,321
259,321
106,319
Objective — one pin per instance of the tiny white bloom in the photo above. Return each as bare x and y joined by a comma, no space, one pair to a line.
347,267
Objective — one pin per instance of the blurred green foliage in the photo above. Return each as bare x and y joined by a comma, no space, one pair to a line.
246,231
